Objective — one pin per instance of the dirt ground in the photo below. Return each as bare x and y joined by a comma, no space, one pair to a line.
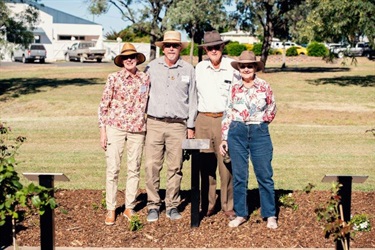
79,222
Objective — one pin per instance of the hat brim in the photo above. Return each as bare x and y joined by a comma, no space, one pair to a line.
235,64
184,45
119,59
213,43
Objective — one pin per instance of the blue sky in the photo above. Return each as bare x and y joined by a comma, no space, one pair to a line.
110,21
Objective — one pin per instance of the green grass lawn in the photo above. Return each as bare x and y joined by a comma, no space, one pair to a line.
324,111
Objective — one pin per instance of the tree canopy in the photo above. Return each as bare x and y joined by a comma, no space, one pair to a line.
338,20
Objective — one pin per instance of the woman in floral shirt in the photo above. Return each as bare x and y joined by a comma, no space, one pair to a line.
122,119
251,107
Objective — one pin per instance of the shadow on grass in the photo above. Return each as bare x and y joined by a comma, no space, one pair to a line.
362,81
15,87
307,69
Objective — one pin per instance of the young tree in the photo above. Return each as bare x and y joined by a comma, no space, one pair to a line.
145,15
202,15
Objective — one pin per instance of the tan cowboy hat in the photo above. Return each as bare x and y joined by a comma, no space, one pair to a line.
247,57
212,38
172,37
128,49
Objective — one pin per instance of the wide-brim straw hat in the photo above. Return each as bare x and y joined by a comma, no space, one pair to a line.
172,37
212,38
247,57
128,49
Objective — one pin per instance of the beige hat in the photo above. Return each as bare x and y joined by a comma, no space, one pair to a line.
128,49
172,37
247,57
212,38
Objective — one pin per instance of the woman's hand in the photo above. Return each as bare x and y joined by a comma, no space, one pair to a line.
103,138
223,148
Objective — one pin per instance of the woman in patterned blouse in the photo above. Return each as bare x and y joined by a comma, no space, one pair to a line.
251,107
122,121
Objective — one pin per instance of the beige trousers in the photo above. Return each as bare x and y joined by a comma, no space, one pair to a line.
115,147
163,146
210,128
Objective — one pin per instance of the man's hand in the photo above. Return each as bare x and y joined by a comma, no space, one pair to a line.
190,133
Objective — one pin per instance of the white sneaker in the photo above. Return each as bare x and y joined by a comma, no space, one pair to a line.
237,221
271,222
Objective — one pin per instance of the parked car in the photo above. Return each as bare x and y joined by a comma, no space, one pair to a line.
279,47
34,52
84,50
360,49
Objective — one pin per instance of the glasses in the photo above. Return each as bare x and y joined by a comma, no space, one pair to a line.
215,47
131,57
246,65
173,45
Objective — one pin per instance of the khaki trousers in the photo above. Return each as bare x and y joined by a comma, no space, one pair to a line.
163,145
115,147
210,128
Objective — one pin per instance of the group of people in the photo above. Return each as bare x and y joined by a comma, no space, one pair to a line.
221,99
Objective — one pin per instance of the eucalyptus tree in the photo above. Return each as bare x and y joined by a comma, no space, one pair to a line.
272,17
144,15
196,17
338,20
17,27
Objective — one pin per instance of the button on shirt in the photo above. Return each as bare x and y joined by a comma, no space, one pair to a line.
213,84
124,100
173,92
249,105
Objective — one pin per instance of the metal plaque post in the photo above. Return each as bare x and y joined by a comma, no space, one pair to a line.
345,193
193,146
47,220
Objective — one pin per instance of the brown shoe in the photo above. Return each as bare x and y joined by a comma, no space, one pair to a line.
210,212
110,218
230,214
129,213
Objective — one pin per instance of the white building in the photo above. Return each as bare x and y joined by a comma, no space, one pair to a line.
239,36
58,30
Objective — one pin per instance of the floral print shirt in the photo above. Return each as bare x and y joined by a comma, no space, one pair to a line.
124,101
249,105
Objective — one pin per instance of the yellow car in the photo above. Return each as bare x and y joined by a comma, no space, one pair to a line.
300,50
280,50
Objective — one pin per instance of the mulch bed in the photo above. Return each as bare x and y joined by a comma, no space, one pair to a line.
79,222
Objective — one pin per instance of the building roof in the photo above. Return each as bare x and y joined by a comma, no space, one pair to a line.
57,15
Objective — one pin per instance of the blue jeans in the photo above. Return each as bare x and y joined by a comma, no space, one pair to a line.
251,140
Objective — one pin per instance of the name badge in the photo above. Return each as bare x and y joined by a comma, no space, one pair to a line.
185,78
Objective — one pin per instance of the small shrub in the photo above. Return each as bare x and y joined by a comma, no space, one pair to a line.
235,48
317,49
287,200
361,222
135,223
257,49
292,51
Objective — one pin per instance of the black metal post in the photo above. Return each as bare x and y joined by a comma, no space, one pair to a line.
47,220
345,193
195,195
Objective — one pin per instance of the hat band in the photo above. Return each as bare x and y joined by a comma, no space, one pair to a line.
126,50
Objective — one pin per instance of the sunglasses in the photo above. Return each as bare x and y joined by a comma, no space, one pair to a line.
215,47
173,45
132,57
246,65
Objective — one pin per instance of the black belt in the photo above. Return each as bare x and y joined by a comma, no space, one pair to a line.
167,119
